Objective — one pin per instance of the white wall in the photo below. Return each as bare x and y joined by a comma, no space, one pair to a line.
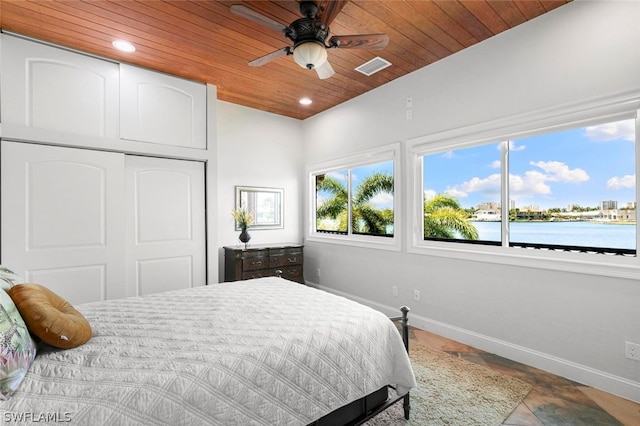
572,324
256,148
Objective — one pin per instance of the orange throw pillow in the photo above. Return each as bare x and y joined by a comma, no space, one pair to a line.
50,317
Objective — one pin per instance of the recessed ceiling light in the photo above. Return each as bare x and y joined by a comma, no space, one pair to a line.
305,101
124,46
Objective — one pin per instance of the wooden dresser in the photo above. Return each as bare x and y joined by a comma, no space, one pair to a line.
263,261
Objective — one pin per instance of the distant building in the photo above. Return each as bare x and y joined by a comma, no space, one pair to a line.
489,205
531,208
572,207
487,216
608,205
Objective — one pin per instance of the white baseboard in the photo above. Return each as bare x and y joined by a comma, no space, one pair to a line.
613,384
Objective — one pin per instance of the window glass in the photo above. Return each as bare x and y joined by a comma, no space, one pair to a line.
332,202
357,200
572,190
575,187
461,192
372,199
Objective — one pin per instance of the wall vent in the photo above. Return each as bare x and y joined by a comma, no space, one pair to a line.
373,66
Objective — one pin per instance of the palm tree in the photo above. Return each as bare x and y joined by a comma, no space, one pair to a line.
445,218
334,207
365,218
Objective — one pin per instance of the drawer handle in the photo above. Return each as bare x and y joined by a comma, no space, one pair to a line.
292,259
259,262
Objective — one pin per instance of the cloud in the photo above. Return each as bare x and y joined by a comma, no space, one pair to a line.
531,183
489,185
620,130
429,193
449,154
456,193
560,172
337,176
513,147
321,199
495,164
382,201
626,181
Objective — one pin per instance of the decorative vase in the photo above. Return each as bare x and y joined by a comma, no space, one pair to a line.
244,236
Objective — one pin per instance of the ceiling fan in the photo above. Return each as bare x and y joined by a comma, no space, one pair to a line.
309,36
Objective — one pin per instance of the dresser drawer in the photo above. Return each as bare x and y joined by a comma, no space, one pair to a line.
253,263
293,273
283,260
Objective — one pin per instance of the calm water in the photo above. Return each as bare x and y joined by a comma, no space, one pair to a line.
564,233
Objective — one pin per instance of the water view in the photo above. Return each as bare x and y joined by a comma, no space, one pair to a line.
587,234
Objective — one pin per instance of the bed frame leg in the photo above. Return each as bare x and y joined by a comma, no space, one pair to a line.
405,338
405,326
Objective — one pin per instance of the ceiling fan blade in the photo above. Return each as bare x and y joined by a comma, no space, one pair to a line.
325,71
329,9
361,41
254,16
270,57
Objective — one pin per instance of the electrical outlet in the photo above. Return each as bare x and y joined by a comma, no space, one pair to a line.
394,290
409,114
416,295
632,351
318,272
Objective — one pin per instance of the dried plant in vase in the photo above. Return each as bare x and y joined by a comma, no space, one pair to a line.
244,219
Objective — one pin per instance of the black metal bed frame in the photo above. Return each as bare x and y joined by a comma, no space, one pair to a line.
366,408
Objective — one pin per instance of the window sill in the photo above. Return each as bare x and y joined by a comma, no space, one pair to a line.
379,243
584,263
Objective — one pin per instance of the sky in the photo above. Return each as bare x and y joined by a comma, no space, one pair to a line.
580,166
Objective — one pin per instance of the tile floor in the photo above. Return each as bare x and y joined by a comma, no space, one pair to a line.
554,400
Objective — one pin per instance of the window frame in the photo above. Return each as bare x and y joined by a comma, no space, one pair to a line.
391,152
545,121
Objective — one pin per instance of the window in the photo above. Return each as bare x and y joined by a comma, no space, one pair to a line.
570,190
575,188
332,202
366,203
462,190
354,199
566,190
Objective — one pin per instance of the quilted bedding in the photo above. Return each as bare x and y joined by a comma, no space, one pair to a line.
258,352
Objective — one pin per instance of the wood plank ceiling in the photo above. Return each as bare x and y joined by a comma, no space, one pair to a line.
202,40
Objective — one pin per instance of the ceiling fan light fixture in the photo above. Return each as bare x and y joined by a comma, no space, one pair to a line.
310,54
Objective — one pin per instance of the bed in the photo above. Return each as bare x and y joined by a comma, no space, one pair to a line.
258,352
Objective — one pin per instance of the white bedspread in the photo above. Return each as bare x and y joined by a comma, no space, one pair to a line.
259,352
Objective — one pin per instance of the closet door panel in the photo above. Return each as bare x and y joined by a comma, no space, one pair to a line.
164,274
93,277
165,224
62,224
54,89
162,109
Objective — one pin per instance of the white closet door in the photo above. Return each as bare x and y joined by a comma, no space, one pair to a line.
165,224
62,222
51,88
160,108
